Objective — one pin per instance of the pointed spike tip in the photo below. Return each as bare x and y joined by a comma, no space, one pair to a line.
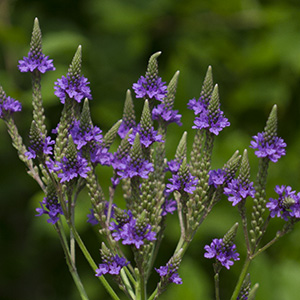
156,55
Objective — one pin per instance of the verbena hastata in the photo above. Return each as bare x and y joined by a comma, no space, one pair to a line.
64,162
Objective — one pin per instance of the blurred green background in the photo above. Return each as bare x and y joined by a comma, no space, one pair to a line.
254,49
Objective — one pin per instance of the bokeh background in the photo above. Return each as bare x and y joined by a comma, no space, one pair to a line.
254,49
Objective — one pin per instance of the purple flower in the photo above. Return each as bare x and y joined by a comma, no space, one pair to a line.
272,149
36,61
147,136
112,266
51,207
217,177
9,106
131,232
72,87
125,126
237,191
178,183
225,255
173,166
198,106
91,218
168,115
133,168
169,206
38,148
150,88
287,205
214,121
71,169
100,155
169,273
82,136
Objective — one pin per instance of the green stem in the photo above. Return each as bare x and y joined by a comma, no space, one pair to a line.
241,278
128,273
153,294
140,291
93,264
71,265
71,212
242,211
143,288
279,234
127,283
217,288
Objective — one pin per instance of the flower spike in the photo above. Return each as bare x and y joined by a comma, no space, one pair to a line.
36,60
73,86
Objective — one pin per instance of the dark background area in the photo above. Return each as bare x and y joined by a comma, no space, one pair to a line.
254,49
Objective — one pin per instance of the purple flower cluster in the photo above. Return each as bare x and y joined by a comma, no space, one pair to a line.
36,61
223,254
178,183
238,190
217,177
72,169
147,136
51,207
129,168
173,166
169,272
81,137
112,266
92,138
287,205
125,127
150,89
100,155
131,233
91,218
169,206
69,169
205,119
72,87
272,149
9,106
39,148
166,114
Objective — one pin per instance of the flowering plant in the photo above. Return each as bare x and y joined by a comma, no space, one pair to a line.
64,163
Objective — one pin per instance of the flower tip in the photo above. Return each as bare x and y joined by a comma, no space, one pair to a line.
86,101
274,108
79,50
156,54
